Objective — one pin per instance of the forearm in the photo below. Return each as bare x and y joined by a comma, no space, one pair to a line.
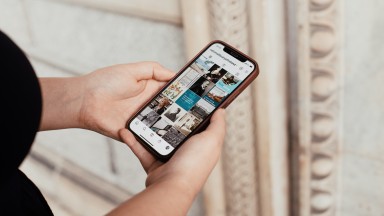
163,198
62,98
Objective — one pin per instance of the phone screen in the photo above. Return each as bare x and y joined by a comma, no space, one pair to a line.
167,120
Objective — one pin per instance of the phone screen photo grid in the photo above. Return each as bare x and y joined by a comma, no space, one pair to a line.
185,103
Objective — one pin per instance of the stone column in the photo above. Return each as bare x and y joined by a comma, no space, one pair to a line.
229,20
254,165
316,77
269,47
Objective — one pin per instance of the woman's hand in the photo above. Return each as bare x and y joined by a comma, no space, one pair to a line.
194,159
115,93
103,100
172,186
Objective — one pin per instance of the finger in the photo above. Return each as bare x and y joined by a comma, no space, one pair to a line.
213,138
151,70
160,85
217,124
145,158
152,87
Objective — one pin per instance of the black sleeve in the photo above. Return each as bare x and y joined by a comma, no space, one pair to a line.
21,104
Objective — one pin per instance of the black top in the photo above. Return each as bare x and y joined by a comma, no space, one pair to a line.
21,104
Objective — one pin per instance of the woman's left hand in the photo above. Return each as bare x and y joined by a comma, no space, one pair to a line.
113,94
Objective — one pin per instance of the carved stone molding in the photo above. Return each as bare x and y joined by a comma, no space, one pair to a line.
317,114
229,23
254,166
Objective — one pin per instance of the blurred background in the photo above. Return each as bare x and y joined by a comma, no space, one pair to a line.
306,138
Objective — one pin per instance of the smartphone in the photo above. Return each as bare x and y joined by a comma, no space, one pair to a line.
183,107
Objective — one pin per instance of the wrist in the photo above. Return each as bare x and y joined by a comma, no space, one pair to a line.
184,190
188,187
166,196
62,100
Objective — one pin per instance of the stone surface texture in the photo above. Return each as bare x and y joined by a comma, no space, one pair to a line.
64,39
363,147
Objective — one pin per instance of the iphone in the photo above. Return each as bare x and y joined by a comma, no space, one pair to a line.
183,107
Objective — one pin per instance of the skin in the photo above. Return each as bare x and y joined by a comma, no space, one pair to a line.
177,182
103,100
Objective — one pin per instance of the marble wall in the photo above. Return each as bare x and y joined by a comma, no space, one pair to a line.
363,109
63,39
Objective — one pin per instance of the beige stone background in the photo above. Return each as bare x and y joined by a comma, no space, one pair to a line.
315,114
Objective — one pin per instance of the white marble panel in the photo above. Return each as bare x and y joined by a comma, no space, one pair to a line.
98,38
363,150
13,20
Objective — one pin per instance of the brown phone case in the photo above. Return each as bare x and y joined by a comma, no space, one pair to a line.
205,122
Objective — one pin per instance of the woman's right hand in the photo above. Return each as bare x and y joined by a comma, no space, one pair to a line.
194,160
172,186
